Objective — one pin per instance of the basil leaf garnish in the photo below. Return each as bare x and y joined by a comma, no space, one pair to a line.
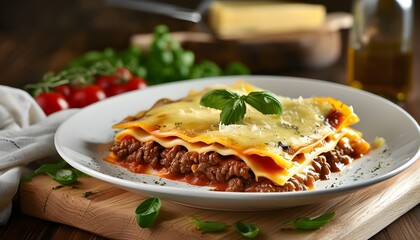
264,102
218,99
147,212
208,226
305,223
233,112
248,230
233,105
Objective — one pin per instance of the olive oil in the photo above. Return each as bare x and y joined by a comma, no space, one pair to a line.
381,68
380,56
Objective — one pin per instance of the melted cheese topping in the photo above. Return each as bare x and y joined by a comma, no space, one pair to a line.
268,144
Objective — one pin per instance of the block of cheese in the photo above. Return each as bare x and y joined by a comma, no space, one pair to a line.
233,18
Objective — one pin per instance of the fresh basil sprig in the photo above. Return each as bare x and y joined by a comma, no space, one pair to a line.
305,223
147,212
233,105
248,230
208,226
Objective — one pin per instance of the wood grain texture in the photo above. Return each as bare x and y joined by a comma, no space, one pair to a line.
109,212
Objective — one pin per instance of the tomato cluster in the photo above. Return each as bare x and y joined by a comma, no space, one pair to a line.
77,96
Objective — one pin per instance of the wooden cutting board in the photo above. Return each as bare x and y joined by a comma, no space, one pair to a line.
109,212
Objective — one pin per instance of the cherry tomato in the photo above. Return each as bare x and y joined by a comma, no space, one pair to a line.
86,95
124,73
65,90
107,83
115,90
135,83
51,102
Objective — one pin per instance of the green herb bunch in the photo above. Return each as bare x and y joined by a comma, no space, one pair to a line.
168,61
164,61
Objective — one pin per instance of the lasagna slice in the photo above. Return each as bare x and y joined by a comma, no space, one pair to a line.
183,140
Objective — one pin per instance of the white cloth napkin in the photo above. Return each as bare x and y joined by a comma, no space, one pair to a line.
26,135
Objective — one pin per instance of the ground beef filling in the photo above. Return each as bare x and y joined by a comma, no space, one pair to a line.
230,171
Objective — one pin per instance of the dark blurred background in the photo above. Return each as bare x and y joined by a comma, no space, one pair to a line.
44,35
75,26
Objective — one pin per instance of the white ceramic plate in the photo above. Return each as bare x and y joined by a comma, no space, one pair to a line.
83,141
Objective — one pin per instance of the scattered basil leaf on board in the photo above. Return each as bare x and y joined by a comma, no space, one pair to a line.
305,223
50,167
89,193
233,105
45,169
208,226
147,212
60,172
64,176
248,230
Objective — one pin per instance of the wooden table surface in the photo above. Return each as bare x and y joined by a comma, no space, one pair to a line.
39,36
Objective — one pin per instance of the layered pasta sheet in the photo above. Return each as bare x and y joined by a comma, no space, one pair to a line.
275,147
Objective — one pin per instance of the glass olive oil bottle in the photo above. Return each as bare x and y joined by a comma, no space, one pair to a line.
380,48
